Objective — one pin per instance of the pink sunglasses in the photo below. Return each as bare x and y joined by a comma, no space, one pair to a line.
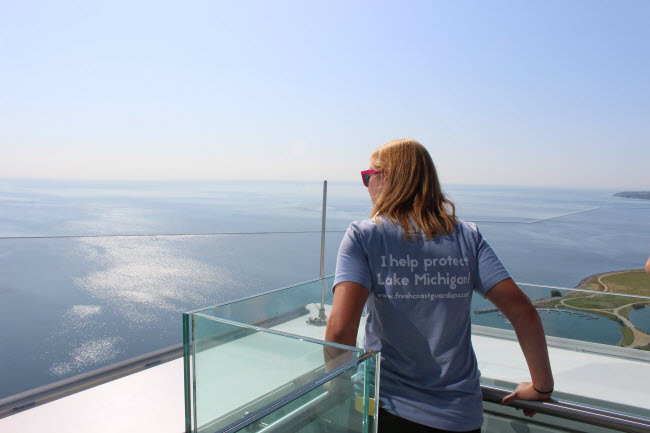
365,176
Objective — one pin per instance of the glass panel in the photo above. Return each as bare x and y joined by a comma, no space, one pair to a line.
598,342
609,314
262,308
294,309
233,370
345,403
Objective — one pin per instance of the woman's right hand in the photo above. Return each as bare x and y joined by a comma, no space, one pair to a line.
525,391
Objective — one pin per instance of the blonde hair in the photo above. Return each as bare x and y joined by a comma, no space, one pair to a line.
411,195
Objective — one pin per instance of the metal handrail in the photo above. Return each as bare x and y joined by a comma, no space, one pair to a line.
572,411
298,418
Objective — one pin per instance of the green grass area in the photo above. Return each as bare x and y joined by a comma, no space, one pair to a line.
644,348
600,301
552,303
628,336
629,282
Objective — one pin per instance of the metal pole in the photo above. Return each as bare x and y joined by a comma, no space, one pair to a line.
321,320
322,247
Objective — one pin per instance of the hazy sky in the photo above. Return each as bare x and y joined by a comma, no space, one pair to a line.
501,92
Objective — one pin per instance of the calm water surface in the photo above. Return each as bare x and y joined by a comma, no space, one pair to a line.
73,304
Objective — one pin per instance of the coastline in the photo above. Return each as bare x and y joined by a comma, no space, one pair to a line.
637,195
585,281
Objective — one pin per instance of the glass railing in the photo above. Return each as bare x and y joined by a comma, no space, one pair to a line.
618,319
243,371
604,322
583,325
279,307
601,336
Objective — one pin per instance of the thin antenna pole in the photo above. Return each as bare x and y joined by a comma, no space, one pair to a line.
322,247
321,320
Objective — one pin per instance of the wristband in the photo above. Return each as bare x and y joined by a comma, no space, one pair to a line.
542,392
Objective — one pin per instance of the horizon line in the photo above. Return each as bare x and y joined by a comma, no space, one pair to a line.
339,181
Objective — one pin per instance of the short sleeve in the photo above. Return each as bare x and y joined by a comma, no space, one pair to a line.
490,269
352,260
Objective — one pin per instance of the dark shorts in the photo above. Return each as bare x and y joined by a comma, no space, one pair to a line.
389,423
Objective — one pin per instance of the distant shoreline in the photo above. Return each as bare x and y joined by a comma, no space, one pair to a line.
640,195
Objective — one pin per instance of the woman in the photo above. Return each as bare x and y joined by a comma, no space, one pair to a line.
416,265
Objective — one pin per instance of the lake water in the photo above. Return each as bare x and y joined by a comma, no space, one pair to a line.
641,318
69,305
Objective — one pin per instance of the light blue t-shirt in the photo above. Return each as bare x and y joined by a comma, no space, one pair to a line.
419,316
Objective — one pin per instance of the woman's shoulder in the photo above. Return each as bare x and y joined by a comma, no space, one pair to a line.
372,225
468,231
364,226
466,226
